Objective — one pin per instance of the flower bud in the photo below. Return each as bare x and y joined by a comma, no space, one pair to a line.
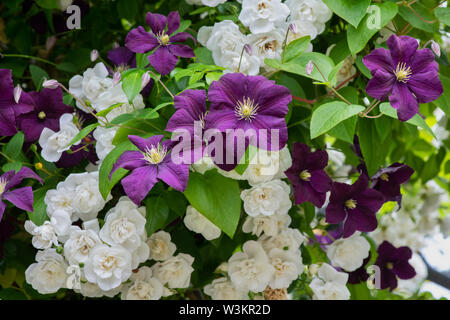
366,101
116,77
309,67
50,84
17,93
38,166
293,28
145,79
436,48
248,49
94,55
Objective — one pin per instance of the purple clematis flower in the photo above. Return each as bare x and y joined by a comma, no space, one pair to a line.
360,274
393,263
388,181
20,197
151,163
9,109
163,41
253,104
307,175
407,75
122,58
190,106
48,108
355,205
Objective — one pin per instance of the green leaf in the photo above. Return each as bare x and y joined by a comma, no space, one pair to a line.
38,74
296,47
362,67
127,9
425,14
417,120
209,192
443,14
328,115
157,213
48,4
14,146
67,67
141,60
39,214
374,155
84,132
16,166
137,127
104,112
443,101
131,83
204,56
345,130
357,38
105,184
250,152
332,77
351,11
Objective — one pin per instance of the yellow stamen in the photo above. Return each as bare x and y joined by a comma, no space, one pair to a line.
42,115
384,177
351,204
246,109
389,265
163,38
155,155
305,175
3,183
402,72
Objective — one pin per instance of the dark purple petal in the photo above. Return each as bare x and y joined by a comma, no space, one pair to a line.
22,198
227,92
190,106
361,220
370,200
129,160
162,60
14,179
313,196
7,122
181,37
144,143
402,48
173,22
121,56
380,86
388,279
335,212
340,192
175,175
385,251
271,99
320,181
139,40
181,50
403,100
2,210
139,183
404,270
271,132
317,160
426,86
379,59
402,253
156,22
221,120
423,61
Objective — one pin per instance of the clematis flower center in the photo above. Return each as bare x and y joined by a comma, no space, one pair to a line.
402,72
351,204
163,38
384,177
246,109
42,115
390,265
305,175
155,155
3,183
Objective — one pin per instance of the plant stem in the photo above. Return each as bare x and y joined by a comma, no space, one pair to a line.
13,55
162,84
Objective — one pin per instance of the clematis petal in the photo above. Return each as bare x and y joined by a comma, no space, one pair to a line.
271,131
320,181
379,59
139,183
360,220
388,279
402,48
422,61
370,200
317,160
7,122
317,198
221,120
402,253
271,99
181,50
139,40
335,212
163,60
129,160
22,198
403,100
16,178
2,210
225,93
173,22
175,175
181,37
144,143
121,56
380,86
426,86
156,22
404,270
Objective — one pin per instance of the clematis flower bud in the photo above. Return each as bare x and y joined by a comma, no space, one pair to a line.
309,67
116,77
94,55
293,28
145,79
50,84
436,48
248,49
17,93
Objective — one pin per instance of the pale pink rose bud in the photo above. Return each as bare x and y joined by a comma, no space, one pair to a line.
50,84
94,55
145,79
50,42
248,49
17,93
293,28
436,48
116,45
116,77
309,67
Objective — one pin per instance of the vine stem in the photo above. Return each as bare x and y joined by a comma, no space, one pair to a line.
14,55
162,84
365,114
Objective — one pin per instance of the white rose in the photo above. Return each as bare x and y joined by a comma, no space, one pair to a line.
223,289
263,15
290,240
161,248
194,2
104,138
267,45
87,200
269,225
61,222
288,266
44,236
107,266
349,253
48,274
89,86
329,284
175,271
53,143
143,286
212,3
250,269
79,245
203,165
198,223
60,198
267,199
313,11
92,290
